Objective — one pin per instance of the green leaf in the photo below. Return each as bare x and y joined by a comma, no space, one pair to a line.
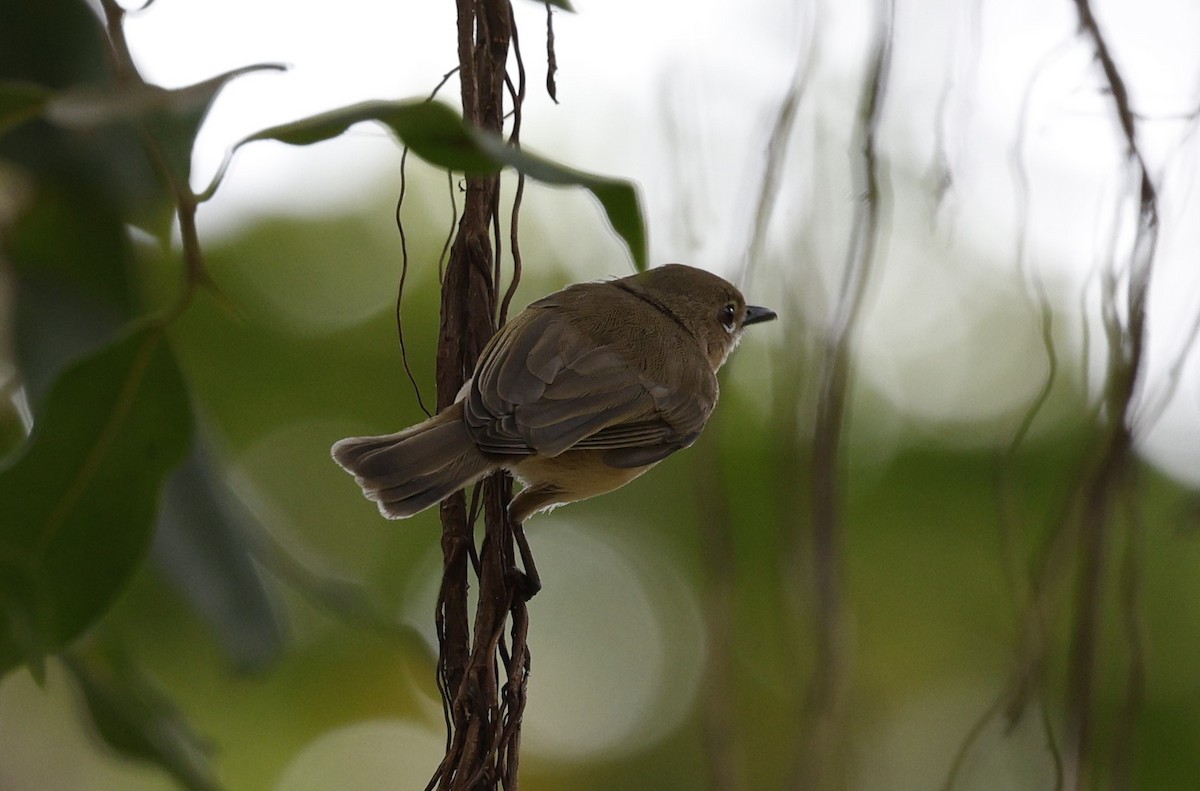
77,506
51,42
97,134
60,44
172,117
437,134
203,547
70,237
137,720
432,130
72,263
20,102
619,198
175,127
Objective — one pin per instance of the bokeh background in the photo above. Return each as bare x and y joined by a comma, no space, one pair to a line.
293,628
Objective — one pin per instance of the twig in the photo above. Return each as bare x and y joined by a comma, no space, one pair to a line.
827,691
1025,677
1135,638
777,147
403,278
551,58
1028,279
185,200
1126,345
514,139
723,748
483,724
973,734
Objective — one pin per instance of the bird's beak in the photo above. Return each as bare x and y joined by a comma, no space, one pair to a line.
755,314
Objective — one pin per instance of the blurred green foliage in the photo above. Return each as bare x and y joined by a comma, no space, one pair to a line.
79,502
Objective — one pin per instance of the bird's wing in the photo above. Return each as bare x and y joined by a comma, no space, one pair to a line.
542,387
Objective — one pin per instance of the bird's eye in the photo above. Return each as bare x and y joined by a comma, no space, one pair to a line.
729,316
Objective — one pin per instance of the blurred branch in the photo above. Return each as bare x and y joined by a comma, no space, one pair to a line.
1030,281
1134,626
185,200
1025,679
724,751
940,176
722,747
968,742
820,743
1108,471
776,155
551,57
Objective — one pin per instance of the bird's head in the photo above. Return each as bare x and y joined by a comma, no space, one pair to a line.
710,308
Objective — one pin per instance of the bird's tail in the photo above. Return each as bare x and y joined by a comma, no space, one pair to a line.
407,472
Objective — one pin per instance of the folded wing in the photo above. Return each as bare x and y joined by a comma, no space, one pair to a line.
542,387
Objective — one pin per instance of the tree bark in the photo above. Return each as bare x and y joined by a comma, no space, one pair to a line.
483,718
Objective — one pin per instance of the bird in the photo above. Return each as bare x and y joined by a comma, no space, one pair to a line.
577,395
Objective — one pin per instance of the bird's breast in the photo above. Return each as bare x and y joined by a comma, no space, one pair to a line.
579,474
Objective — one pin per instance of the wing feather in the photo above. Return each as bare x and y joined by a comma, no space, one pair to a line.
544,387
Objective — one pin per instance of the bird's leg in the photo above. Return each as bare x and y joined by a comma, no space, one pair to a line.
528,583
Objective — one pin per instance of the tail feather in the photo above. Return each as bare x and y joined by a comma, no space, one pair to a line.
408,471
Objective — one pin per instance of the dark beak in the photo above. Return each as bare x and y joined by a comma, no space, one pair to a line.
755,314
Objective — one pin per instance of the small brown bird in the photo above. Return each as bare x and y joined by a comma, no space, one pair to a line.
578,395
